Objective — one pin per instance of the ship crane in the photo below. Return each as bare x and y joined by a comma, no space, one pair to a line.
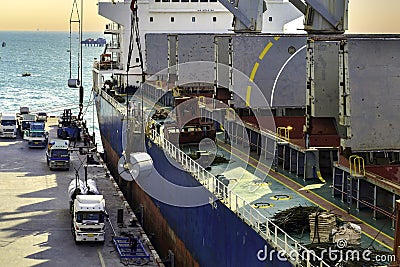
327,16
247,14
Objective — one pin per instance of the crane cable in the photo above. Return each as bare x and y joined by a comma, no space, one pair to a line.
135,33
71,21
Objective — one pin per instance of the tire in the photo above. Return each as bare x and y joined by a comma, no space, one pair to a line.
75,239
73,233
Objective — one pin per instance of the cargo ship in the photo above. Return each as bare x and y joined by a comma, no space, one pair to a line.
210,132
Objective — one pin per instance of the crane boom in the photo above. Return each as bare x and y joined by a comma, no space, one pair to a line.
247,14
320,16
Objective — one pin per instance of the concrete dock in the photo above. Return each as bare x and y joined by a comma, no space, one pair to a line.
35,223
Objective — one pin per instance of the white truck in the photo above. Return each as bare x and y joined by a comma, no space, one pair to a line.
8,125
88,211
88,218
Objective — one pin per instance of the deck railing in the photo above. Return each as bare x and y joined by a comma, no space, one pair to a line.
120,107
273,234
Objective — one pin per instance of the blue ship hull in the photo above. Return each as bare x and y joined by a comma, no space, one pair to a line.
207,235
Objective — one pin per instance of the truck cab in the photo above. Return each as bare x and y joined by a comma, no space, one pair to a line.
88,218
36,135
8,125
25,121
58,155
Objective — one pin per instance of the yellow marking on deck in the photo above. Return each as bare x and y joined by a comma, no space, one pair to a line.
337,207
320,177
276,38
262,205
281,197
255,68
265,50
242,183
263,184
254,71
248,96
311,187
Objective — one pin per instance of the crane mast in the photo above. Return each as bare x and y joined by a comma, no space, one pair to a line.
320,16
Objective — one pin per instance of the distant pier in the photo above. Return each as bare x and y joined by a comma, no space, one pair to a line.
93,42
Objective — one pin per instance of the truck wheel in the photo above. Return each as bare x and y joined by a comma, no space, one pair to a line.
74,234
76,241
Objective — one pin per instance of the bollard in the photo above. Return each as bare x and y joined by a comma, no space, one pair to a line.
120,216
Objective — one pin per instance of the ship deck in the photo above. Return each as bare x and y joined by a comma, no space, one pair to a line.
375,232
34,214
257,184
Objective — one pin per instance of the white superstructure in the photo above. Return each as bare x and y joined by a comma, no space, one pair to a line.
177,16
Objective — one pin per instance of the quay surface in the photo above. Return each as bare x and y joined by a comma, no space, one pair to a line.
34,211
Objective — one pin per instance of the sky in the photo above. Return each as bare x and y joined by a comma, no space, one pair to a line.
47,15
365,16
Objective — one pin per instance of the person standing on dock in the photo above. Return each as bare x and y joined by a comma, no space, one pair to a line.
132,243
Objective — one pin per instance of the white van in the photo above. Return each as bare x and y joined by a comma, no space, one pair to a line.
8,125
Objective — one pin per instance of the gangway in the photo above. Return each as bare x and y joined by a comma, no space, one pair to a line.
126,252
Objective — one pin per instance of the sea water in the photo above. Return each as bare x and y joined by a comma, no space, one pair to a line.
46,56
